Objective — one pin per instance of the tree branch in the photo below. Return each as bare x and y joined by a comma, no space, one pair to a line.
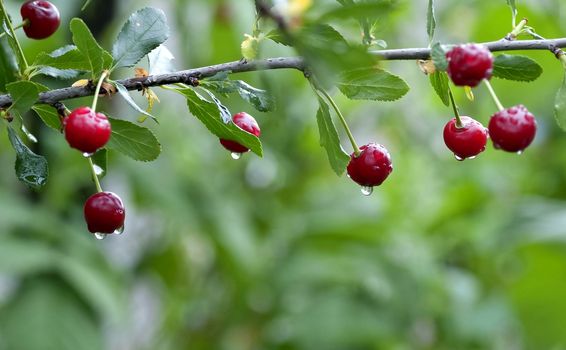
186,76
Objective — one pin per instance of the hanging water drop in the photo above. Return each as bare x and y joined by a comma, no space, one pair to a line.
87,155
458,158
236,155
119,230
99,236
98,170
472,157
520,152
367,190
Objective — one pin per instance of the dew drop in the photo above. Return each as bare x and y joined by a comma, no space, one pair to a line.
119,230
87,155
458,158
367,190
98,170
520,152
473,157
236,155
99,236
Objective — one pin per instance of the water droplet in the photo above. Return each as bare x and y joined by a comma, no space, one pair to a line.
367,190
458,158
473,157
99,236
119,230
98,170
87,155
520,152
236,155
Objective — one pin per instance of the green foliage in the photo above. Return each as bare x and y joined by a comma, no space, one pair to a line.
438,56
8,65
259,99
439,82
430,21
123,91
48,115
96,57
31,168
134,141
515,67
330,140
24,95
372,84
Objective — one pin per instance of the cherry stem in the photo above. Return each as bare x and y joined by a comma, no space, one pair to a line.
343,122
97,91
94,176
23,63
21,25
459,123
493,95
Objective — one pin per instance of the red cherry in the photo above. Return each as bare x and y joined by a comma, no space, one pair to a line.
512,129
104,213
467,141
371,167
86,130
469,64
247,123
43,18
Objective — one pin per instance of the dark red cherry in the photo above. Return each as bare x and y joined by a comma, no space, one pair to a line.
247,123
469,64
43,18
86,130
371,167
104,213
467,141
512,129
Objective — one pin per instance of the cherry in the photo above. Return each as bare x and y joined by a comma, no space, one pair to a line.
42,18
469,64
512,129
467,141
247,123
86,130
371,167
104,213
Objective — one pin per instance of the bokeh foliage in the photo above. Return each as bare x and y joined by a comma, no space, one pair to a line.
279,252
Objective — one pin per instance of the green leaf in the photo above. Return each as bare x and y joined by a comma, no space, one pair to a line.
67,57
560,104
372,84
439,81
24,94
260,99
126,95
134,141
430,20
360,10
224,112
438,56
277,36
145,30
58,73
161,61
31,168
516,67
512,4
100,160
97,58
48,115
8,65
207,112
330,140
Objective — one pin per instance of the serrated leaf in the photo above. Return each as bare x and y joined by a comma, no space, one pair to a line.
560,104
98,59
330,140
48,115
8,65
134,141
161,61
100,161
439,81
58,73
260,99
224,112
66,57
145,30
516,67
208,114
24,94
430,20
438,56
277,36
126,95
31,169
372,84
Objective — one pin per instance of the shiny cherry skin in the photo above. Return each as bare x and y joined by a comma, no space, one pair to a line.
469,64
86,130
245,122
43,18
104,213
371,167
512,129
467,141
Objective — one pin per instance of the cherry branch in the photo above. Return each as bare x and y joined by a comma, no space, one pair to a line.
189,76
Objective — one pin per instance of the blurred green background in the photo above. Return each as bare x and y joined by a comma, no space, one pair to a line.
279,253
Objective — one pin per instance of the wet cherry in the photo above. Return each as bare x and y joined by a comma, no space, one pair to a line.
86,130
467,141
512,129
469,64
104,213
247,123
371,167
42,17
